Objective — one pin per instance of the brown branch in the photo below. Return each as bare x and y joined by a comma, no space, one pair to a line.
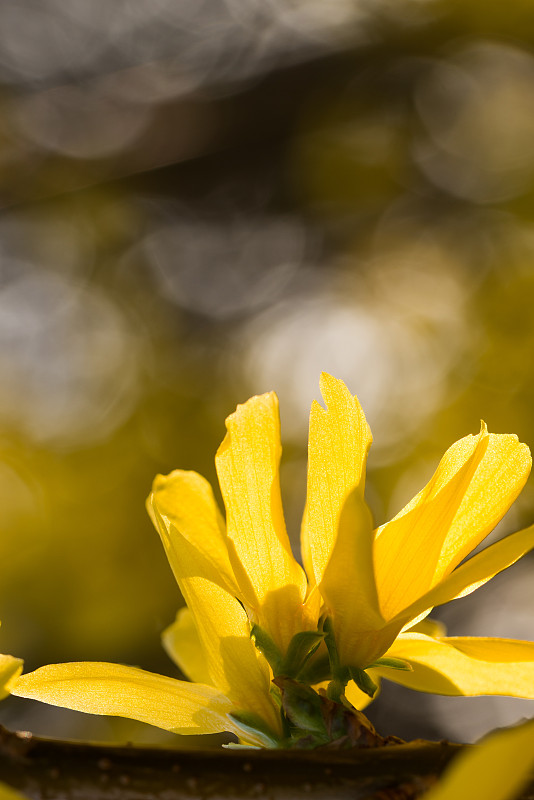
42,768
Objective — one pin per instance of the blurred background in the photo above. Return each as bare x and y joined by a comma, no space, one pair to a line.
201,201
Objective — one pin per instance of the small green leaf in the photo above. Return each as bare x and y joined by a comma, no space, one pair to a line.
252,724
392,663
267,647
315,670
363,681
302,646
331,645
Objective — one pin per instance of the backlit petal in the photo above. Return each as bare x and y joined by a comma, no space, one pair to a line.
495,769
184,502
348,586
339,441
120,691
476,482
464,665
271,581
232,661
182,644
10,668
474,573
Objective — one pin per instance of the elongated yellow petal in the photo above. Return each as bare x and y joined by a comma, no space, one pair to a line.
182,643
234,665
10,668
339,441
464,665
349,589
184,502
272,582
474,573
495,769
116,690
477,480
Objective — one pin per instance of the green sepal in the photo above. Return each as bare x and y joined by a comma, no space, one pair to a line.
336,689
301,647
267,648
274,692
313,720
316,670
252,724
363,681
331,645
340,675
392,663
302,706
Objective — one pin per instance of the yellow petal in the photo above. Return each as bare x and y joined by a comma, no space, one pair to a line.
475,483
10,668
120,691
183,501
182,644
271,581
349,589
464,665
495,769
474,573
339,441
234,665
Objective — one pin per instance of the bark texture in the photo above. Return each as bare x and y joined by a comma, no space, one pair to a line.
44,769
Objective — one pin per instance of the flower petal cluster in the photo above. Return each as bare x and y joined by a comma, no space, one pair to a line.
356,612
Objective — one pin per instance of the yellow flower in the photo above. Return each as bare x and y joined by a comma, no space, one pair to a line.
253,612
376,584
498,768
